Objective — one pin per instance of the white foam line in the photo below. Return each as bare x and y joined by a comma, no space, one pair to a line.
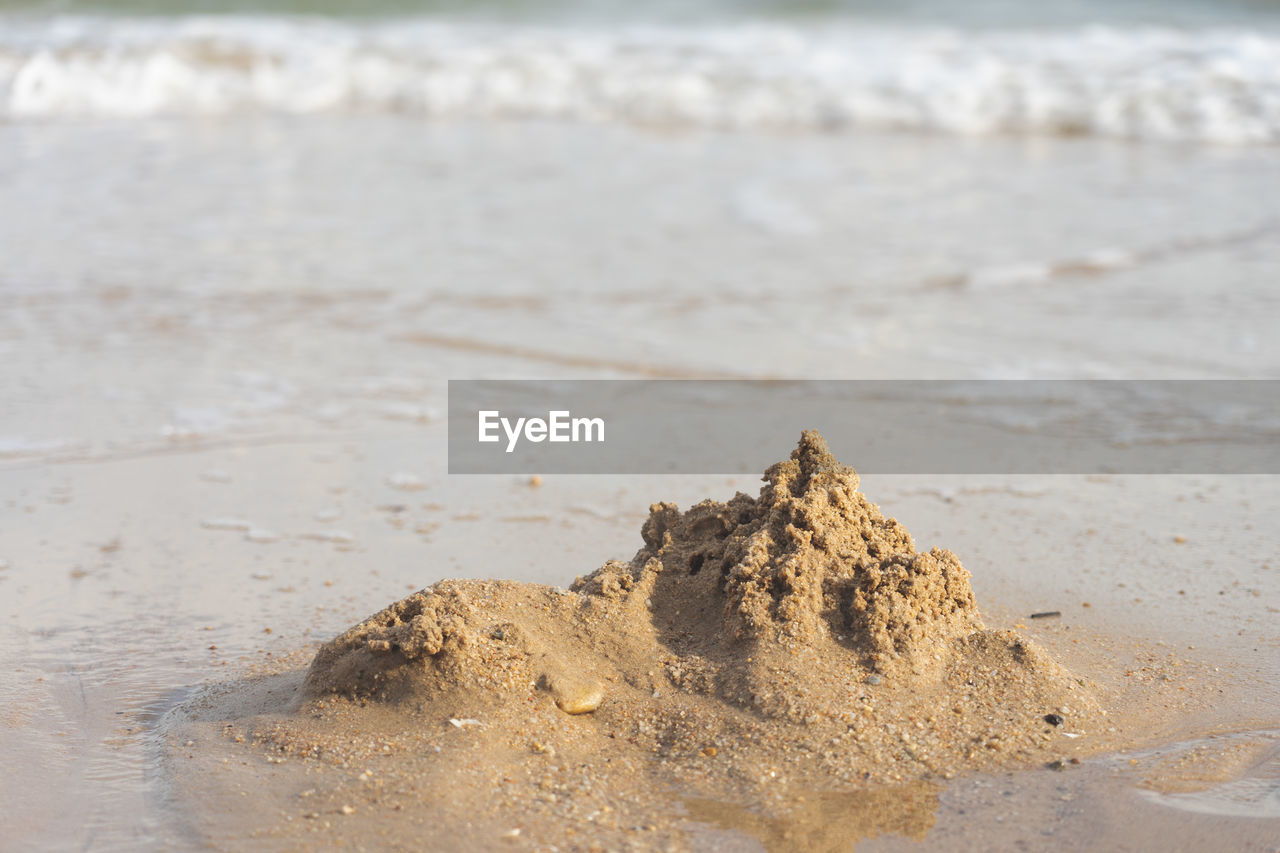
1218,85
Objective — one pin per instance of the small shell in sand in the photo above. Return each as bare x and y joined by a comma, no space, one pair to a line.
579,698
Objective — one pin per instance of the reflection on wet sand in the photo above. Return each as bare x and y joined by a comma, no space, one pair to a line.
1231,775
829,821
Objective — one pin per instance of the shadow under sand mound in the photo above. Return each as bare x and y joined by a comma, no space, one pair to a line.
829,822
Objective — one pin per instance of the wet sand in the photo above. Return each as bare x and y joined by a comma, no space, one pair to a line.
655,706
202,444
92,722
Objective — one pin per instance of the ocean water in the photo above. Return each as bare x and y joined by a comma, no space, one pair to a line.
1181,71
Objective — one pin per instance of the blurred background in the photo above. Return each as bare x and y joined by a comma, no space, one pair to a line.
243,246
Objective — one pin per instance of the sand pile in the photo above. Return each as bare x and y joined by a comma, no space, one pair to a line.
790,605
808,559
789,665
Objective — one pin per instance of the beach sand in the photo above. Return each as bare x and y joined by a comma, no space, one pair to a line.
786,670
224,445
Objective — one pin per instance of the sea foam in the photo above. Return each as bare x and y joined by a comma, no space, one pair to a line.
1217,85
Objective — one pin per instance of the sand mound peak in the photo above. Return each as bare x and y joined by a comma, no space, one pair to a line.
809,558
811,458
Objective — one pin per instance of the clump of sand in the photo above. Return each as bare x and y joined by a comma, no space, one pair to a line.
786,605
772,654
789,666
809,558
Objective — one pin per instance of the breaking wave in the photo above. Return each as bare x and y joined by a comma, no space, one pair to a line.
1220,86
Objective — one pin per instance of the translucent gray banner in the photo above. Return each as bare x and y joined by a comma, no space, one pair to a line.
877,426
